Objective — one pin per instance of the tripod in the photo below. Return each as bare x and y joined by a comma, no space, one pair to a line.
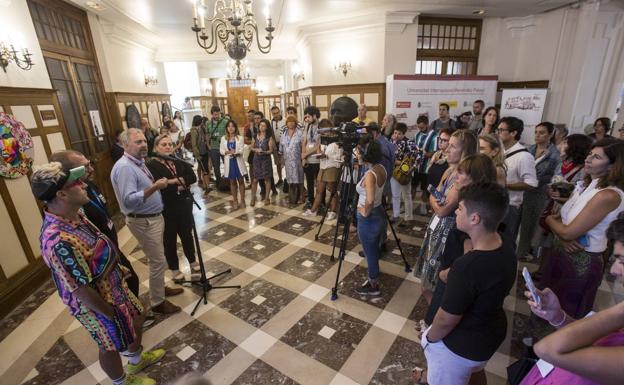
203,281
347,207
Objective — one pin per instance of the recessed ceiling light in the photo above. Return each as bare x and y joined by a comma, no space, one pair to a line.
479,12
95,5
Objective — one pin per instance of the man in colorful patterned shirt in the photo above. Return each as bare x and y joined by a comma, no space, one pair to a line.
406,151
426,140
85,268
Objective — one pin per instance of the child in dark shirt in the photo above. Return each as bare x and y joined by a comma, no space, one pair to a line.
470,324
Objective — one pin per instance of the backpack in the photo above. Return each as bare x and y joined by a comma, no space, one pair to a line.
202,142
188,144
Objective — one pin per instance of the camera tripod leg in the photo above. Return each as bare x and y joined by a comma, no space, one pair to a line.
408,268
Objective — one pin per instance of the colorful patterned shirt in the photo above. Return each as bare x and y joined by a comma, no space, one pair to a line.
78,254
405,147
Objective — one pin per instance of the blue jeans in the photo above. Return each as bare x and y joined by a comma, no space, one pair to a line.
215,156
370,229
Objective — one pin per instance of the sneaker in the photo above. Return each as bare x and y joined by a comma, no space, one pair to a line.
368,289
195,266
177,275
309,213
148,358
331,216
166,307
171,291
307,205
136,380
149,321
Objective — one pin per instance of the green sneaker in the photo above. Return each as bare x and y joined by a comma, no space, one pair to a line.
136,380
147,358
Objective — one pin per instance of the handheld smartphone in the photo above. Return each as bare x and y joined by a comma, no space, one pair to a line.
436,194
529,282
583,240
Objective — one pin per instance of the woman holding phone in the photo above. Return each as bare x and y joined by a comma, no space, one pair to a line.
587,351
231,147
575,263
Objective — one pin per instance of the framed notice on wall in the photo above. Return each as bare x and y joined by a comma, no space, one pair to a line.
526,104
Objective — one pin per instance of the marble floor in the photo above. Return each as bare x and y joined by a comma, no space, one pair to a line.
281,327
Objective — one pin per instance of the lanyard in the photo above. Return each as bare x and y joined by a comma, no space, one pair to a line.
140,165
97,202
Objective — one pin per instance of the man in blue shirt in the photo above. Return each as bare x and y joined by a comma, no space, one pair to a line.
139,199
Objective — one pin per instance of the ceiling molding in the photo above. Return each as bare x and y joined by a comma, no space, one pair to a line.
398,21
120,34
521,26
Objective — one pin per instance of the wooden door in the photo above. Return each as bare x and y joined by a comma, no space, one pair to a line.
241,98
64,35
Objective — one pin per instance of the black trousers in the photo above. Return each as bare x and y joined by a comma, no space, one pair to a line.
178,222
133,280
311,173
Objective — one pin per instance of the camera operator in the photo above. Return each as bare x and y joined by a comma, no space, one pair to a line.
330,156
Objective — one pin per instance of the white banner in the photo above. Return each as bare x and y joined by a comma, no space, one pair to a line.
409,96
526,104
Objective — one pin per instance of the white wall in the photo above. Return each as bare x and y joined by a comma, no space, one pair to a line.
124,57
182,81
363,47
580,51
520,49
18,29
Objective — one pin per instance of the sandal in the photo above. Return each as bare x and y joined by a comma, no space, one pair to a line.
267,201
419,375
253,202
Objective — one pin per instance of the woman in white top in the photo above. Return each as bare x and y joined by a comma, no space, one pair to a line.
231,147
330,156
576,263
371,217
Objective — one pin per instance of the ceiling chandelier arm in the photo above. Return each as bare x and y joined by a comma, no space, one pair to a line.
218,32
263,49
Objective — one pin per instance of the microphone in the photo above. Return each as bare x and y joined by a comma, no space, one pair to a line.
166,157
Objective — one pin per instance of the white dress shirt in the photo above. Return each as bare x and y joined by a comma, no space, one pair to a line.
520,168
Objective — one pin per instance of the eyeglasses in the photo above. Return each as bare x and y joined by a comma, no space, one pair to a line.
77,182
443,140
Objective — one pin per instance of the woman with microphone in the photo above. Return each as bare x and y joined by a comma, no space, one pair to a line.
178,203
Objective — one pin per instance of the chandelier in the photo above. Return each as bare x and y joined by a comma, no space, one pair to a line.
237,71
233,25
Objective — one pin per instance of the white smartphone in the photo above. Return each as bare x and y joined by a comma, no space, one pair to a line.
531,286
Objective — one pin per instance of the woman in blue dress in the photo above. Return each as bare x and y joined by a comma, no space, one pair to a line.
231,148
290,150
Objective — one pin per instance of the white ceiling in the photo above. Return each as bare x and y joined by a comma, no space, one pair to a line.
164,25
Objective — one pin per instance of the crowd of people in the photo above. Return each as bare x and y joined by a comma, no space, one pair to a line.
492,202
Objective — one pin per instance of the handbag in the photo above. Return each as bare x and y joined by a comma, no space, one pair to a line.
403,172
519,369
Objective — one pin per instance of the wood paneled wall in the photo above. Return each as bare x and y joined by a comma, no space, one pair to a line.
266,102
21,268
373,95
206,102
118,101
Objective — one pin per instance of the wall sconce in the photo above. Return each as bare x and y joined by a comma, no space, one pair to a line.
150,77
8,55
297,72
343,67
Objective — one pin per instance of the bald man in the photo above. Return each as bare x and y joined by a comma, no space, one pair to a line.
362,119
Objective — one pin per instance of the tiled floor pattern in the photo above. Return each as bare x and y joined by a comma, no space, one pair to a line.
280,328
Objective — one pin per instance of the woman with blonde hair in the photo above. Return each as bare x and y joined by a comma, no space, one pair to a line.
463,143
491,146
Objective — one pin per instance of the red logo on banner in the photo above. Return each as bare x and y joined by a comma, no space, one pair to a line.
403,104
